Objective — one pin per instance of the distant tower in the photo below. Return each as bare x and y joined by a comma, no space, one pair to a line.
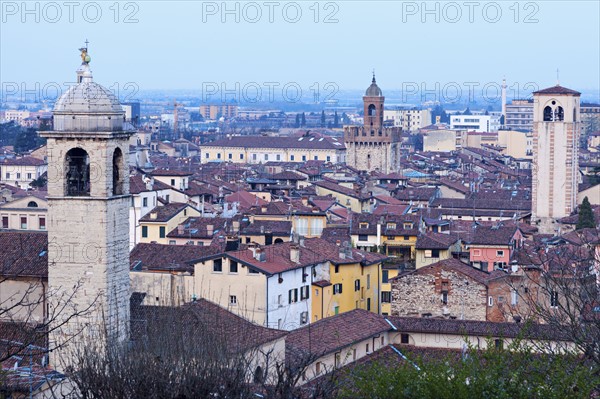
556,126
88,211
503,101
372,146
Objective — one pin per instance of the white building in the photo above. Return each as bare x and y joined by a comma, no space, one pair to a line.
475,123
408,119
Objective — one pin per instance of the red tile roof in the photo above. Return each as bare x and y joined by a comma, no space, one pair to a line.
24,254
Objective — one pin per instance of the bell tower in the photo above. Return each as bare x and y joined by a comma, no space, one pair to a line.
556,126
88,213
373,146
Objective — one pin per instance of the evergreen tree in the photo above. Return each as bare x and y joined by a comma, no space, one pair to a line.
297,124
323,118
586,216
336,121
303,120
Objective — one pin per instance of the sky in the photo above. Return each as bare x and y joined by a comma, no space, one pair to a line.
324,46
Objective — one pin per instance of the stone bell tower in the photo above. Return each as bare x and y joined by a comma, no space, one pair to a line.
88,213
373,147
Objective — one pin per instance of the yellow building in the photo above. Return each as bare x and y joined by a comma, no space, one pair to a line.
306,221
261,149
27,213
353,283
157,223
354,200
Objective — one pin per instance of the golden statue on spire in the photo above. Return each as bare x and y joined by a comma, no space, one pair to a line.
84,53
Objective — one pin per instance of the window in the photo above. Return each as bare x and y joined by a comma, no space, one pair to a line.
5,222
304,275
316,158
18,175
354,354
23,222
357,285
77,177
173,182
304,158
318,368
363,225
391,226
7,175
514,298
500,299
293,295
304,292
230,156
278,157
254,157
232,300
404,338
385,276
172,242
445,297
406,238
219,156
498,343
386,297
367,348
363,237
291,157
336,310
303,317
233,267
207,155
553,299
336,268
42,223
252,270
218,265
145,201
266,157
337,288
328,158
432,253
162,231
241,156
369,304
500,254
368,281
144,231
490,301
338,359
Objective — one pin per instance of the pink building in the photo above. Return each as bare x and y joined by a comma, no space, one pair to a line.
491,247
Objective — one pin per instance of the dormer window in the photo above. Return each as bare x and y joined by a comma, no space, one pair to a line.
408,226
391,226
363,225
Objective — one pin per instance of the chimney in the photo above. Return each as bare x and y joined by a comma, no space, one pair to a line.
305,201
295,253
180,229
236,225
301,241
338,243
260,255
153,215
209,229
262,229
263,209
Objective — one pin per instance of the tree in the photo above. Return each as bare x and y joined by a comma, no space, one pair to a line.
303,123
586,215
494,372
323,120
297,123
336,121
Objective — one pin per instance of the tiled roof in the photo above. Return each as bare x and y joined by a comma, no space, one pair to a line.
311,142
24,253
435,241
493,235
274,227
417,194
137,185
385,209
24,161
477,328
557,90
170,172
333,333
164,213
197,227
342,190
202,320
245,199
314,251
149,256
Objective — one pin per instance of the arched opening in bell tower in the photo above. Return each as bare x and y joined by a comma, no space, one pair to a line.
547,114
117,172
372,110
77,179
559,114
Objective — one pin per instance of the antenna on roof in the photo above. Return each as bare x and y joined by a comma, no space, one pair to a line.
557,77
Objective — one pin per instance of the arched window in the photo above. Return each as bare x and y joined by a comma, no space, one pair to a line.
547,114
559,114
117,172
77,177
278,241
372,110
32,204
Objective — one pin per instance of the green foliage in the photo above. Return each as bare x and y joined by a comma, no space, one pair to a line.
512,373
586,215
27,139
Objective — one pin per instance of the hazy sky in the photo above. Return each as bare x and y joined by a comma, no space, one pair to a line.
189,44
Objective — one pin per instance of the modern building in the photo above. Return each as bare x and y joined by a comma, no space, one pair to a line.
88,220
409,120
373,147
556,128
216,111
590,118
132,112
519,115
475,123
